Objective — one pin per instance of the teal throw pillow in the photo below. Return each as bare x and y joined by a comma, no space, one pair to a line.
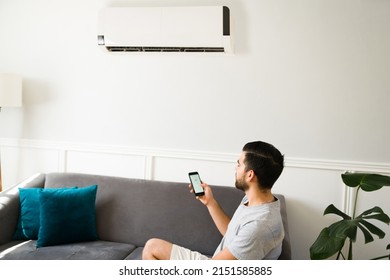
29,217
28,222
67,216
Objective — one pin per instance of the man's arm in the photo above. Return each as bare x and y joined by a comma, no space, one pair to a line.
225,254
219,217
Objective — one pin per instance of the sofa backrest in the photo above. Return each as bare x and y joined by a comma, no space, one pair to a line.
134,210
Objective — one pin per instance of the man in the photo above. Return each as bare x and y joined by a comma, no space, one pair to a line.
255,230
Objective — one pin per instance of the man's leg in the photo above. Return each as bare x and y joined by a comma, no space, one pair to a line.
157,249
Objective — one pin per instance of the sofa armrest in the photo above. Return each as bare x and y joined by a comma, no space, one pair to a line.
10,206
9,212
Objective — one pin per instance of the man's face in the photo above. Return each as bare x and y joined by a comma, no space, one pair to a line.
241,184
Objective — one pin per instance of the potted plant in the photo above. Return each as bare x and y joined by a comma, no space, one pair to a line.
332,239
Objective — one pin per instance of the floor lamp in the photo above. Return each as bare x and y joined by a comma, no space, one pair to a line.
10,96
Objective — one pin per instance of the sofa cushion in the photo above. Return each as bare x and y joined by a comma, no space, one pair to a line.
136,254
94,250
67,215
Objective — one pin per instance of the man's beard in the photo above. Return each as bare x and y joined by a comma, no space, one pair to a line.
241,184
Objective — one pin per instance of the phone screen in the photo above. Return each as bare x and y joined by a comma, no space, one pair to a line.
196,183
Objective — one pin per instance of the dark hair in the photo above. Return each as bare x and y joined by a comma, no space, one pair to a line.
265,160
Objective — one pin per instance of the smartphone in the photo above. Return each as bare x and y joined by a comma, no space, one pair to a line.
196,183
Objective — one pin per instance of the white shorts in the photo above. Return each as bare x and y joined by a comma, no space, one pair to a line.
181,253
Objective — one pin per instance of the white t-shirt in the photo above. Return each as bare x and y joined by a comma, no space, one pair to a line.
254,232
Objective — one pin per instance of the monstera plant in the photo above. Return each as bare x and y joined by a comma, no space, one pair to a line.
333,238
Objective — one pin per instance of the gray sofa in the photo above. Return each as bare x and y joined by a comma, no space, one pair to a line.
128,213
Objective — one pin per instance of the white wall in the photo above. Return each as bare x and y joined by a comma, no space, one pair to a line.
310,76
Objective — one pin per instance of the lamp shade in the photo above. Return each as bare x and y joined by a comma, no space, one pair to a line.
10,90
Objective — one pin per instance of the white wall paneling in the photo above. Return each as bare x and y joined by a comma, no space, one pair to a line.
211,171
21,162
112,164
309,185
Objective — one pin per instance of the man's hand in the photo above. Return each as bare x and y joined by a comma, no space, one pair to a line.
208,198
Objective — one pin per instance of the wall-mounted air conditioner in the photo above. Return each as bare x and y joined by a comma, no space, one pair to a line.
165,29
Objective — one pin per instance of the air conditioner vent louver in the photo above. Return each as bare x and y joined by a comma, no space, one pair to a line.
165,29
162,49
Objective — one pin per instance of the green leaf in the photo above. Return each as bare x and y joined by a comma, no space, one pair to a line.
332,238
367,235
368,182
375,209
373,229
379,215
352,179
326,245
331,209
373,182
343,228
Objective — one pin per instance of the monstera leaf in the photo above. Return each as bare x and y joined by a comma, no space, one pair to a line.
332,239
367,182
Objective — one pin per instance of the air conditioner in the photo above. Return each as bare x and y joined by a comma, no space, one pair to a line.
165,29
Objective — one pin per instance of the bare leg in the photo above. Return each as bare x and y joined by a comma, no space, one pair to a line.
157,249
